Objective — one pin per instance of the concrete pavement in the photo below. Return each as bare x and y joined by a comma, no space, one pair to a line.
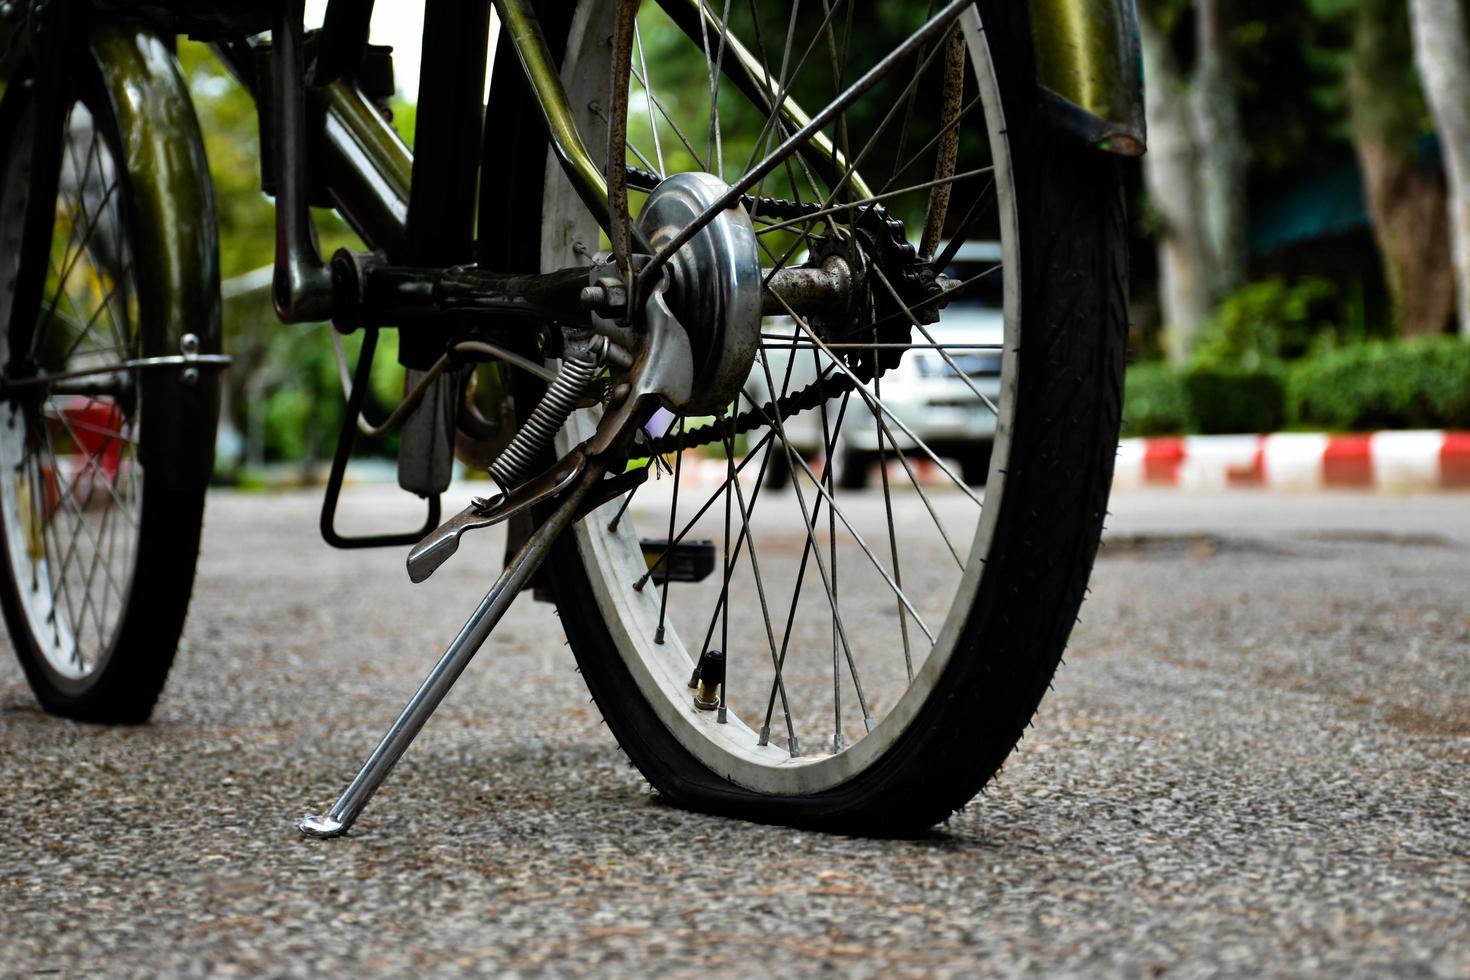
1255,761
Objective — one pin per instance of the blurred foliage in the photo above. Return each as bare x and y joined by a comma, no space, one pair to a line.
1154,403
1265,322
1225,399
825,56
1418,383
1421,383
1292,59
283,395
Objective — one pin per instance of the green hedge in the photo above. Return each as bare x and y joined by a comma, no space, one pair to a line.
1160,399
1226,400
1412,384
1422,383
1153,401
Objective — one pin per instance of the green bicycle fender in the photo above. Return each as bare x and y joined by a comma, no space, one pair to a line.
176,238
1089,65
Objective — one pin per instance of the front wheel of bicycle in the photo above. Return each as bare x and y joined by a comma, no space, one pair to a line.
883,649
103,465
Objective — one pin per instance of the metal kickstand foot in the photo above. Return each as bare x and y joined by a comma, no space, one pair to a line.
344,813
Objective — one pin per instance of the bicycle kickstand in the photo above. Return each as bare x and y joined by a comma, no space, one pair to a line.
344,813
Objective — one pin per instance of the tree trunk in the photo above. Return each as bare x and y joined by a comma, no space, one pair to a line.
1411,225
1407,200
1442,54
1170,168
1220,148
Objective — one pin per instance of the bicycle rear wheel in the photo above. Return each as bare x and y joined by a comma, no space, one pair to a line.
883,649
103,466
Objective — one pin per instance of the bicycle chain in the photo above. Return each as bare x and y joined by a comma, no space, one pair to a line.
777,207
887,241
788,405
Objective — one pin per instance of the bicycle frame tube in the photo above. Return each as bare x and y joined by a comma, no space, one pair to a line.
518,19
446,158
369,169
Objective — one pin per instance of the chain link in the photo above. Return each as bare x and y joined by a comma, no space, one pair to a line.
788,405
771,207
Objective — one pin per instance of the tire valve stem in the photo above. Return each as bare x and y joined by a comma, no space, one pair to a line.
709,678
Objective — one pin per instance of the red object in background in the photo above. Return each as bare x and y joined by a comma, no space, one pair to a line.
1253,475
96,427
94,430
1348,461
1162,459
1454,460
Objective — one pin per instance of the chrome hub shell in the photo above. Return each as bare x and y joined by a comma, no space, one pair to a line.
714,285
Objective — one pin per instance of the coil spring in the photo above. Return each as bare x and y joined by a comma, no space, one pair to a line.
520,459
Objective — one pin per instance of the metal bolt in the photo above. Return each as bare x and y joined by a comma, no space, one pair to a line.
190,376
189,344
608,298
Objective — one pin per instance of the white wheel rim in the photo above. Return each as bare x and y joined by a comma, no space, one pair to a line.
70,517
613,558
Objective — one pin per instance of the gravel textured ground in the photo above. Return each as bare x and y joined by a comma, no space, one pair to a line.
1256,760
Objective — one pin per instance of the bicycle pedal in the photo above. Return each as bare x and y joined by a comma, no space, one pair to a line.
687,561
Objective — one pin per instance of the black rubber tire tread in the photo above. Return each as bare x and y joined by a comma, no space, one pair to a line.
1074,316
171,521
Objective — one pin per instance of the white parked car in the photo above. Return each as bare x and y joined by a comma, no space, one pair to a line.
926,391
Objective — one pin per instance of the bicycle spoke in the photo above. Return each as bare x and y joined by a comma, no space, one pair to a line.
86,328
903,623
81,248
914,321
658,149
730,481
879,406
810,520
58,572
898,172
829,439
92,458
794,142
851,171
663,603
669,118
874,199
862,544
908,111
748,536
778,345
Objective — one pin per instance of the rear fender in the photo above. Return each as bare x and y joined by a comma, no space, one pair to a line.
1089,66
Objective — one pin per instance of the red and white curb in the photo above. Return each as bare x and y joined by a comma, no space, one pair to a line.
1390,461
1394,462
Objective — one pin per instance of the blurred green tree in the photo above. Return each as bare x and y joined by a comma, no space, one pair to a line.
282,397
